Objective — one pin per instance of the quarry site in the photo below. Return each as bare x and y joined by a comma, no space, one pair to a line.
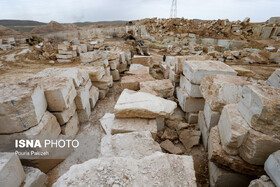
153,102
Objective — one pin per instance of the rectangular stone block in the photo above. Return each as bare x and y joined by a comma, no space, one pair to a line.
195,71
59,56
165,70
71,128
63,46
82,48
192,89
161,88
187,103
191,117
272,167
93,96
64,60
82,99
90,56
104,83
144,60
21,107
211,117
259,106
95,72
132,82
116,75
84,114
122,57
63,52
11,170
139,67
204,130
63,117
175,78
103,93
114,64
233,129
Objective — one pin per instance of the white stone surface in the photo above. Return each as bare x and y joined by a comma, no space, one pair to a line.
34,178
71,128
95,72
104,83
192,89
93,96
203,128
82,99
274,79
143,60
272,167
161,88
90,56
63,117
211,117
115,74
139,67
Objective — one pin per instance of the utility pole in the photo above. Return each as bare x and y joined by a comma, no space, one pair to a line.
173,11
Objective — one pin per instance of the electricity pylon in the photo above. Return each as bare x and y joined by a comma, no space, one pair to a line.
173,11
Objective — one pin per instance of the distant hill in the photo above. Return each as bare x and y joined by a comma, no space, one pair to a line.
117,22
10,23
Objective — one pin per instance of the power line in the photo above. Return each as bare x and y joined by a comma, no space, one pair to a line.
173,11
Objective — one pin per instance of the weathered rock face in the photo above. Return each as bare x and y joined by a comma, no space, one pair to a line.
71,128
112,125
21,107
274,79
104,83
272,167
192,89
136,145
150,170
170,147
143,60
82,99
233,129
220,90
259,105
63,117
195,71
220,177
90,56
217,155
161,88
95,72
132,82
263,181
11,170
143,105
189,138
34,178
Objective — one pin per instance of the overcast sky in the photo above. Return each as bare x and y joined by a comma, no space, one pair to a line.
106,10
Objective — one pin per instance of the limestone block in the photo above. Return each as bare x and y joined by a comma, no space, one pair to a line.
82,99
257,147
203,128
59,56
170,147
34,178
82,48
103,93
63,117
161,88
274,79
110,171
220,90
189,138
195,71
259,106
266,32
143,105
95,72
191,117
211,117
63,46
135,145
170,61
179,62
132,82
217,155
263,181
84,114
173,76
11,170
143,60
116,75
220,177
21,107
104,83
165,70
139,67
90,56
64,60
93,96
187,103
272,167
112,125
114,64
122,57
192,89
233,129
71,128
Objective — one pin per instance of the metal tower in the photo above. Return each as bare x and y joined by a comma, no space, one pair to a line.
173,11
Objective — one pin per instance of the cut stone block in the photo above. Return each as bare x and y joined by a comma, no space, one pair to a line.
233,129
263,181
220,177
165,71
63,117
192,89
179,61
274,79
161,88
189,138
150,170
195,71
122,57
63,46
272,167
204,130
95,72
257,147
259,106
107,71
114,64
104,83
187,103
21,107
136,145
170,147
84,114
143,105
103,93
90,56
11,170
211,117
64,60
63,56
143,60
82,99
34,178
173,76
93,96
220,90
191,118
139,67
217,155
132,82
112,125
71,128
116,75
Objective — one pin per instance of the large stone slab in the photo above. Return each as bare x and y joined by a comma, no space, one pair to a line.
34,178
132,82
71,128
211,117
259,106
233,129
195,71
274,79
139,68
203,128
220,177
192,89
151,170
63,117
90,56
220,90
82,99
143,60
179,61
11,170
112,125
143,105
95,72
188,103
93,96
161,88
21,107
135,145
104,83
257,147
217,155
272,167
